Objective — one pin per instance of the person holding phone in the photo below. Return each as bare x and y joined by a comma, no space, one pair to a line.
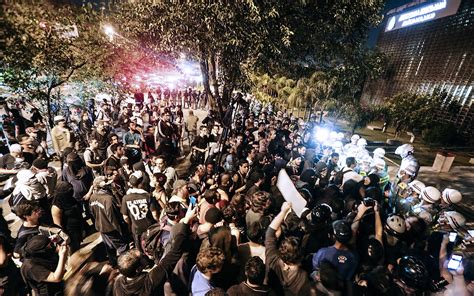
44,266
453,271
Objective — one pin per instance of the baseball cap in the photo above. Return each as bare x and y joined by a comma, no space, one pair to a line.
178,184
15,148
59,118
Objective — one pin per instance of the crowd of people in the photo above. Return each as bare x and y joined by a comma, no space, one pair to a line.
186,206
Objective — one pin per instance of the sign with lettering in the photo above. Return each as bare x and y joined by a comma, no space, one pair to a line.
424,13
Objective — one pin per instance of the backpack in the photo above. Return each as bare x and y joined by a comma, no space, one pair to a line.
155,239
339,177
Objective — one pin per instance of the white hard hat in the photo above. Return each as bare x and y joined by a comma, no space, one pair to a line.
355,138
404,150
337,144
379,163
333,135
417,186
430,194
409,169
340,136
379,152
455,219
451,196
362,142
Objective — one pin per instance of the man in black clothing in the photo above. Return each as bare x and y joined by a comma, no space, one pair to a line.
332,163
113,161
102,137
30,212
164,135
107,219
133,281
11,283
199,147
43,269
139,208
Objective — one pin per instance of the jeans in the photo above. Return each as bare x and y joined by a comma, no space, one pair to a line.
115,244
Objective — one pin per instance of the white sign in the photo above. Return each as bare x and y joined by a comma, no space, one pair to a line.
424,13
289,192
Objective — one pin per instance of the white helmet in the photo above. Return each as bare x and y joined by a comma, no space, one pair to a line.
455,219
379,163
340,136
355,138
451,196
361,142
379,152
395,225
404,150
408,169
430,194
337,145
417,186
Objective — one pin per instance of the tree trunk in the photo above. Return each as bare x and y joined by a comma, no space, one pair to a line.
48,105
213,75
205,77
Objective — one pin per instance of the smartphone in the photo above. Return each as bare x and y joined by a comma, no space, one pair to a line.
452,236
192,201
455,262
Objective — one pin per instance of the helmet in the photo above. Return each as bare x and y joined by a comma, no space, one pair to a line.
355,138
342,231
337,145
430,194
321,214
375,250
379,163
455,219
417,186
412,272
404,150
340,136
379,152
395,225
451,196
361,142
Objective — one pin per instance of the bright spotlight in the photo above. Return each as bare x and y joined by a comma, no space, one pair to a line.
109,31
322,134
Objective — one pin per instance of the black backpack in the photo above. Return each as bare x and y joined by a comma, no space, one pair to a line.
153,240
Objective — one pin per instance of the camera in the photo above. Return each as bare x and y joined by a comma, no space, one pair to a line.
437,286
369,202
56,235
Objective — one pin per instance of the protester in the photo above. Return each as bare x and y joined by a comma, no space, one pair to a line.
265,203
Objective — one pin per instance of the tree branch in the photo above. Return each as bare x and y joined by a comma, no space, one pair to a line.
73,69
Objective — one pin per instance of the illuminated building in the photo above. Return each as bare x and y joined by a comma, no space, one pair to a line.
429,45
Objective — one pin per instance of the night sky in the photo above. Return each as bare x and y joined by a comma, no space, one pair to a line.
389,4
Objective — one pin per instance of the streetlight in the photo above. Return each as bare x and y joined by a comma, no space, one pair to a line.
110,32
